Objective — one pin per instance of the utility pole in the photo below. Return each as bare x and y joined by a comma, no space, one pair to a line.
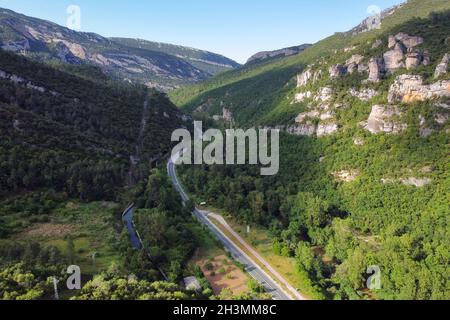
93,262
55,286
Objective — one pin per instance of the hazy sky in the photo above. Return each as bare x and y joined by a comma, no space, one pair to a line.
234,28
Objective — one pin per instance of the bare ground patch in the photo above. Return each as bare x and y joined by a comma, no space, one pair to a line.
221,273
51,230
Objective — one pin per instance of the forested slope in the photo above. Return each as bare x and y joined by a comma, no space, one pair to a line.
364,175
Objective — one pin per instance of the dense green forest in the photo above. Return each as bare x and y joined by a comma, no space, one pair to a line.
71,137
336,227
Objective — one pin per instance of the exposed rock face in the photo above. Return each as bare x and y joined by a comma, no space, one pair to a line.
426,58
377,44
419,183
299,97
317,76
302,130
393,59
227,115
382,119
376,69
356,59
265,55
327,129
355,64
364,95
413,181
28,84
442,67
307,129
363,68
304,115
410,88
17,46
325,94
303,78
346,175
374,21
157,65
408,41
307,126
351,65
392,42
441,118
337,71
413,60
326,116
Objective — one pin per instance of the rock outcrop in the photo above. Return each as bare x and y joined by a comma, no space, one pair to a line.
413,181
227,115
317,121
324,129
337,71
351,66
23,82
413,60
307,129
325,94
358,142
346,175
376,69
311,129
285,52
20,46
401,55
410,88
393,59
299,97
355,64
304,77
442,67
364,94
377,44
408,41
384,119
305,115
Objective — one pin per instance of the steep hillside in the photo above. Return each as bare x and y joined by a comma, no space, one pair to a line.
46,41
208,62
60,133
261,94
364,175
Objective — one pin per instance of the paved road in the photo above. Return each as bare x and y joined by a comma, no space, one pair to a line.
250,266
128,220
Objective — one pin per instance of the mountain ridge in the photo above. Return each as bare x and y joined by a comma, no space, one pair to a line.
279,53
45,40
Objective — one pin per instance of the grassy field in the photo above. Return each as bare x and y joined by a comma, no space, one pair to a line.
91,228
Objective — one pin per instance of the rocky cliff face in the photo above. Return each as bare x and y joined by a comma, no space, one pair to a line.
410,88
321,114
442,68
267,55
402,54
119,59
384,119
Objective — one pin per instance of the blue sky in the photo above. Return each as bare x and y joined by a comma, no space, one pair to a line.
234,28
